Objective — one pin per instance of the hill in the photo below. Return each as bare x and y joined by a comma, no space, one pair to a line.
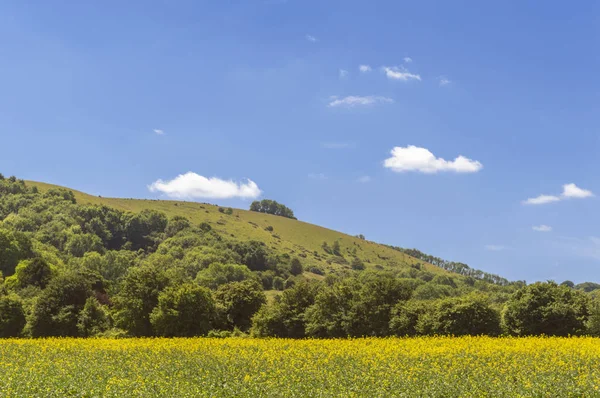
289,236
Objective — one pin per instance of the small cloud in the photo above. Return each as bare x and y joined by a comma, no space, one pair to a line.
193,186
542,199
365,68
444,81
353,100
542,228
343,73
158,132
495,248
317,176
570,191
337,145
364,179
413,158
311,38
400,73
573,191
407,60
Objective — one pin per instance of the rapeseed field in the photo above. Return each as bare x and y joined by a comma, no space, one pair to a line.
239,367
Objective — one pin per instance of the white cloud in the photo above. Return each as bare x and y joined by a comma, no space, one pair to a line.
542,199
399,73
444,81
365,68
542,228
569,191
343,73
158,131
573,191
338,145
413,158
311,38
495,248
353,100
191,186
364,179
407,60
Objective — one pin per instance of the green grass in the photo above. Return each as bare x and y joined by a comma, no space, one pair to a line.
294,237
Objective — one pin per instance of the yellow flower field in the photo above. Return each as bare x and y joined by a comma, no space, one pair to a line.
412,367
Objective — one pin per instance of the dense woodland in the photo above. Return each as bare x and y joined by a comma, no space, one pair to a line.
68,269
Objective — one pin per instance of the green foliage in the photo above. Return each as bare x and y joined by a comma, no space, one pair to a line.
142,229
546,308
93,319
278,283
12,316
240,301
79,263
296,267
272,207
335,248
79,244
357,264
14,247
35,272
219,274
285,317
184,311
253,254
57,309
411,318
137,298
177,224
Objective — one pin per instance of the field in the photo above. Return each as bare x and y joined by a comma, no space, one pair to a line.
416,367
288,236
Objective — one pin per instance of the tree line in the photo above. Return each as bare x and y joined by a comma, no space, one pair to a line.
71,269
272,207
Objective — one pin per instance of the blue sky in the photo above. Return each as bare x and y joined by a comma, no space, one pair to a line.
254,90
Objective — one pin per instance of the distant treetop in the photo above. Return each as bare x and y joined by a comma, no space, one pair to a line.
272,207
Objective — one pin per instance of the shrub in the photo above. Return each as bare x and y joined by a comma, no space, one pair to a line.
12,316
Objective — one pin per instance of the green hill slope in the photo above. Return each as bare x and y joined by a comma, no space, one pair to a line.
288,236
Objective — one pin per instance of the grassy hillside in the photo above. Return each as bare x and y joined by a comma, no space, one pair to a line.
288,236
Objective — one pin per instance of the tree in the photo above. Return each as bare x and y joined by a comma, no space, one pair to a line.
34,272
219,274
431,291
296,267
14,247
411,318
375,295
138,297
12,316
93,319
177,224
79,244
272,207
357,264
330,315
184,311
336,248
546,308
465,316
285,317
254,255
278,283
141,229
240,301
56,311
